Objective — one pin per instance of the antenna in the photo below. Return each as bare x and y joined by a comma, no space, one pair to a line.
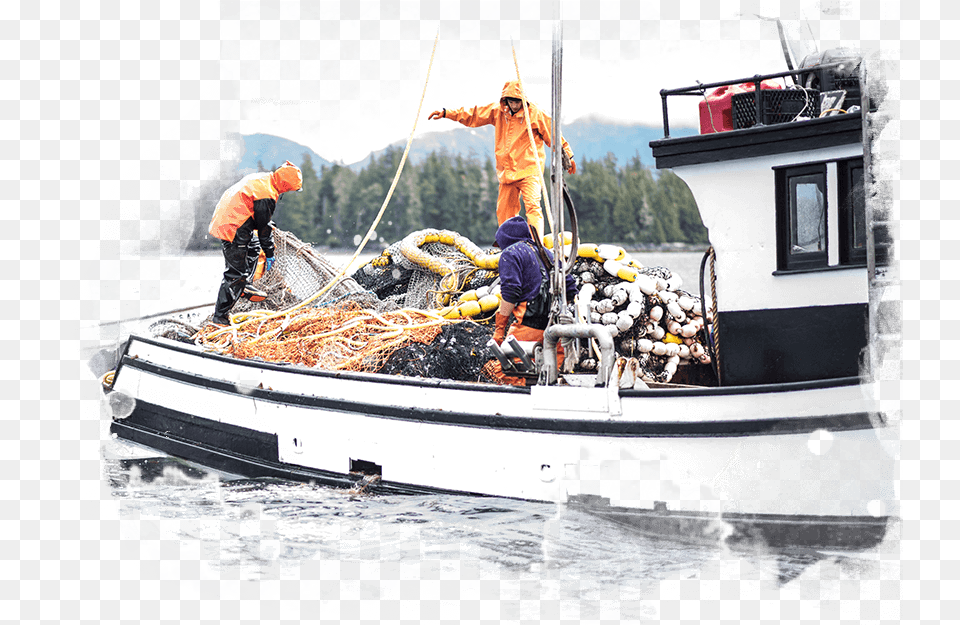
784,45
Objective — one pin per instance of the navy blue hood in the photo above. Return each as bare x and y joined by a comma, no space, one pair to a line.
511,231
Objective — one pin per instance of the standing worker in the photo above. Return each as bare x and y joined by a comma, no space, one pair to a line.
517,169
247,206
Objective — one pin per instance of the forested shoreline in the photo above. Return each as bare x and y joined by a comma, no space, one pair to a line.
622,204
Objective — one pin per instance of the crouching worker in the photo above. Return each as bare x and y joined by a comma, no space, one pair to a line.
246,207
522,274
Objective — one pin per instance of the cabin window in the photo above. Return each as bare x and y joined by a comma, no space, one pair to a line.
853,213
802,217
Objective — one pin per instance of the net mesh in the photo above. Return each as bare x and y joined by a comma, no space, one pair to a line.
394,278
298,272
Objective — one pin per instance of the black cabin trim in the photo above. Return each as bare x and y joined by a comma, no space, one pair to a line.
756,141
792,344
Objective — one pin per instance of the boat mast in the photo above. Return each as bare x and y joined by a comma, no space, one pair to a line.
556,153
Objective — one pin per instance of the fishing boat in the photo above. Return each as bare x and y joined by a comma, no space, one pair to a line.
779,440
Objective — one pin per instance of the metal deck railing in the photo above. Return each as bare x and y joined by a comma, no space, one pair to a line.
700,89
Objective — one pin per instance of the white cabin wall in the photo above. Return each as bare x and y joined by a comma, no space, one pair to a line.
737,203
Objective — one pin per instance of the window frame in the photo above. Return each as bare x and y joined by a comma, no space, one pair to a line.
787,260
850,256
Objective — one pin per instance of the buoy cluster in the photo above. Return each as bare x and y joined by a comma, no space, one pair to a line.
651,318
473,303
656,325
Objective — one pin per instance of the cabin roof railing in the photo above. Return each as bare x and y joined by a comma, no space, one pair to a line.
700,89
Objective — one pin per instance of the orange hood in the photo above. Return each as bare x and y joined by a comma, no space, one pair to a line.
511,89
288,177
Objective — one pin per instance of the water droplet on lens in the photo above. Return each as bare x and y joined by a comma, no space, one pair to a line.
121,405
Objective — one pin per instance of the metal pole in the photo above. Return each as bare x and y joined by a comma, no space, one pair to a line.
666,121
556,149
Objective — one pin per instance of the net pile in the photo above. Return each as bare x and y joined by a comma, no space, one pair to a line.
385,322
458,352
344,337
387,317
396,279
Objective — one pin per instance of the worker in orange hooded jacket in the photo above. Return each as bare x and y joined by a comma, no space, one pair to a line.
517,169
246,207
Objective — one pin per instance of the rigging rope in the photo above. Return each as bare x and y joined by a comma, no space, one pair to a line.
243,319
536,153
713,312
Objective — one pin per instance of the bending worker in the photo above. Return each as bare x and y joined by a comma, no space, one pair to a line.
246,207
524,289
517,169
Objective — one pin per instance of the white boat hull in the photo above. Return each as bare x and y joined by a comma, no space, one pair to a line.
800,453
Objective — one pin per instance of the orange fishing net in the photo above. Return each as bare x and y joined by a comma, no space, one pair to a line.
342,338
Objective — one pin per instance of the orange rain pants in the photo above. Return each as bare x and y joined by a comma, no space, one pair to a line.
508,201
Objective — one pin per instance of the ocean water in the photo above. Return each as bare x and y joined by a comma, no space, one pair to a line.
534,560
439,557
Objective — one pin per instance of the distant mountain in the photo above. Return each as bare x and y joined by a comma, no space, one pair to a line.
594,138
273,151
468,142
590,137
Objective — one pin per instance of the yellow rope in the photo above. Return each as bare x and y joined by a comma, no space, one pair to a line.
828,111
242,319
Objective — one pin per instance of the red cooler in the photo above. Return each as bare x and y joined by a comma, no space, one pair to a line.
716,112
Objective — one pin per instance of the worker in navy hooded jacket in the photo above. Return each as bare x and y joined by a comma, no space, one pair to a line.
521,273
243,209
516,160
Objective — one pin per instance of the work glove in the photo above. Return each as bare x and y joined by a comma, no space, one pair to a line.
438,114
568,163
268,264
500,332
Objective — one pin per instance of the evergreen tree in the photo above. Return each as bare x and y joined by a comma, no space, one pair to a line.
678,195
614,204
296,212
631,211
336,183
594,191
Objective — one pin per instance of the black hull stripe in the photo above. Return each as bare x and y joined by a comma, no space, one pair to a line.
582,427
228,461
825,532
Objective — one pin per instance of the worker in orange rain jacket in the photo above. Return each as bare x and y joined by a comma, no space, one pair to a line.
246,207
517,169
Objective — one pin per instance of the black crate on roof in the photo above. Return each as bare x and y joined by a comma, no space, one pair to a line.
777,106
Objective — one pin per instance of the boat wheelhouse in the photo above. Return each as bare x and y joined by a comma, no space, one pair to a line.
785,206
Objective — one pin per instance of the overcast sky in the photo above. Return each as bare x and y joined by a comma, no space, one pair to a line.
346,78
